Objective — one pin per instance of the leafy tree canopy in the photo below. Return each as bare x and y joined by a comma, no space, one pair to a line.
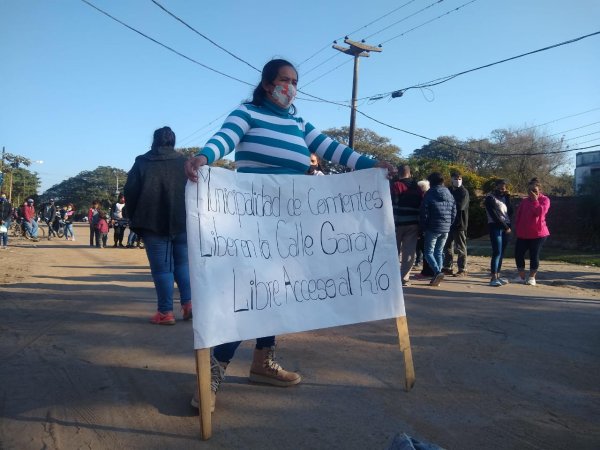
366,142
103,184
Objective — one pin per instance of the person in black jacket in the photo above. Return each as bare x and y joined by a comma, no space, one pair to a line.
457,237
155,192
499,211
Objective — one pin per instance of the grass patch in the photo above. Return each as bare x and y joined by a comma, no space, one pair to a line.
480,247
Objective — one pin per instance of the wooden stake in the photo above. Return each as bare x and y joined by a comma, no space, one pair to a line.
409,368
203,386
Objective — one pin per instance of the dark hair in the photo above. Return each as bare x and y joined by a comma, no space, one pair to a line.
403,171
269,73
535,182
163,137
499,182
455,174
435,179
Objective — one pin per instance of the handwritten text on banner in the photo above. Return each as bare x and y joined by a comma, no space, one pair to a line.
273,254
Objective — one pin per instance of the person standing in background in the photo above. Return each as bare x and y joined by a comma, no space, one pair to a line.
531,230
457,237
499,210
92,213
406,201
159,175
67,217
437,214
119,221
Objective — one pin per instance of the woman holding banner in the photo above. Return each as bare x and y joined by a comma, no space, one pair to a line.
270,139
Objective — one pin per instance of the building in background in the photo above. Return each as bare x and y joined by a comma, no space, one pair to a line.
587,164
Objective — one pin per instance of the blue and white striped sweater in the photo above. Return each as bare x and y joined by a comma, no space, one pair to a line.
267,139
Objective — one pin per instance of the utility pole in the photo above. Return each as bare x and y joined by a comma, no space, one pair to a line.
356,49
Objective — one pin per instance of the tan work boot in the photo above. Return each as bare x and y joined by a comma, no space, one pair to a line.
217,375
266,370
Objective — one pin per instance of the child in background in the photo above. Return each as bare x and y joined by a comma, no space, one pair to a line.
66,214
102,227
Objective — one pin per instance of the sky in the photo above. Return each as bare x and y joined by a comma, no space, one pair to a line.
79,90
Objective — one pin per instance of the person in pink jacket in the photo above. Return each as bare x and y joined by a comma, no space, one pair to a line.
531,230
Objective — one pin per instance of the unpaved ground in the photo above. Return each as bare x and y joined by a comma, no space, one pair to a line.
497,368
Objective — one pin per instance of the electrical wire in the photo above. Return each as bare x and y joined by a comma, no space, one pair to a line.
166,46
437,2
468,150
400,92
429,21
202,35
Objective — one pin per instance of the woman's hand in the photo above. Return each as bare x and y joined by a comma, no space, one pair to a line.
192,165
392,170
533,196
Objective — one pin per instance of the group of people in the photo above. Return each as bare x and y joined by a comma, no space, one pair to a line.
29,219
433,219
100,222
269,138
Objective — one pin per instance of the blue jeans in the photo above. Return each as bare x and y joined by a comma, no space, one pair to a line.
433,250
224,352
69,231
4,236
31,228
499,239
168,259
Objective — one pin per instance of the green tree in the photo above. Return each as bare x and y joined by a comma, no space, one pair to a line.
366,142
103,183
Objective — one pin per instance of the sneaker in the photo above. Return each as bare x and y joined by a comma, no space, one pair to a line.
447,271
266,370
437,279
503,281
186,309
217,375
460,274
163,319
531,281
518,280
495,283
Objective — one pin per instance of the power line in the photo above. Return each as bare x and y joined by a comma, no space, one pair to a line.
445,143
400,92
202,35
165,46
429,21
405,18
573,129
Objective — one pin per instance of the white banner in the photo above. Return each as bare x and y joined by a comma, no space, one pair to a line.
274,254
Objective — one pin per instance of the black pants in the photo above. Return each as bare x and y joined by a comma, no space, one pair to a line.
119,234
535,247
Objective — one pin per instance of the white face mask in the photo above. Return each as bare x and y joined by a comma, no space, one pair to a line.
284,95
456,183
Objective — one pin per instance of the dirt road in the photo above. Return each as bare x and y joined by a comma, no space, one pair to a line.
497,368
